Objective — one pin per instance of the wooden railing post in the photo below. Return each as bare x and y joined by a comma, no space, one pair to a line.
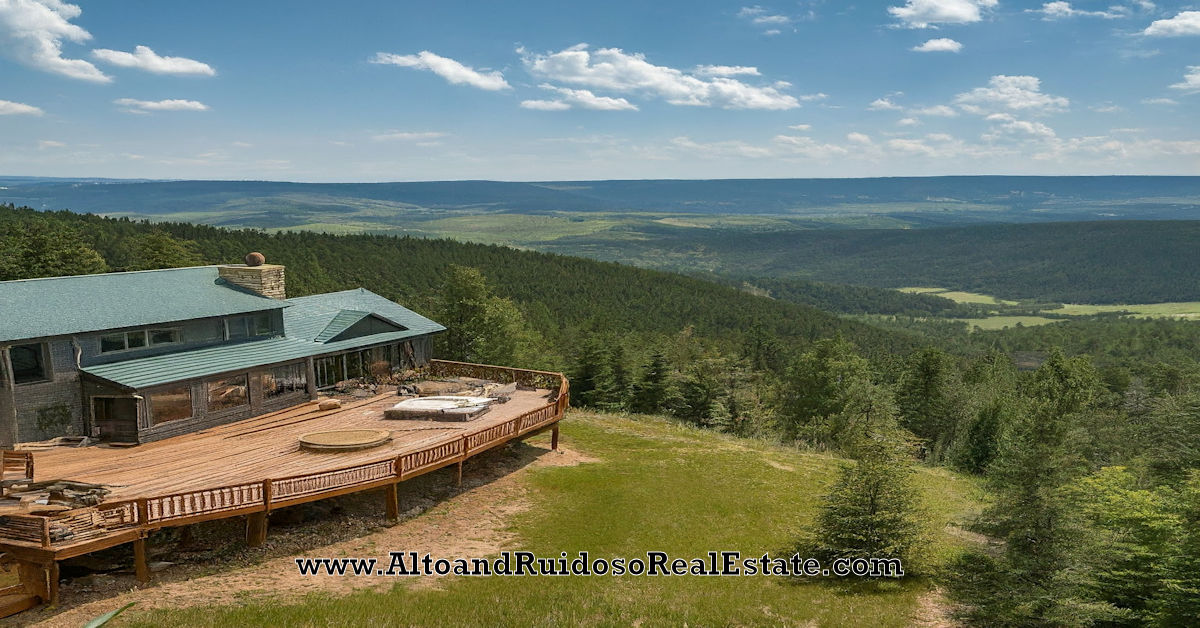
143,511
45,531
266,491
398,464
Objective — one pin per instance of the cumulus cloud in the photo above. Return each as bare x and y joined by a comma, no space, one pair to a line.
545,105
929,13
143,58
940,111
942,44
9,108
759,16
804,146
615,70
1014,93
1191,80
408,136
726,70
1159,101
449,69
883,104
131,105
582,98
800,127
1007,126
1186,23
32,32
1061,10
908,122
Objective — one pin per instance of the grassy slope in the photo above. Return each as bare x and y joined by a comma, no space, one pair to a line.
657,486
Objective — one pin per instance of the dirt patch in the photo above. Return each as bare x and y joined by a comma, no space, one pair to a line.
933,611
436,517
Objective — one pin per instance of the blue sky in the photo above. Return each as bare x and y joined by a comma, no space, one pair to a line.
397,91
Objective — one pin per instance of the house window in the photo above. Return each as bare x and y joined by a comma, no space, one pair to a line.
164,336
29,363
330,370
228,393
171,405
248,326
283,380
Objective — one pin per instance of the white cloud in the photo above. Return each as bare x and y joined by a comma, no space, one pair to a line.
44,144
883,104
928,13
908,122
615,70
813,97
1191,80
942,44
858,138
9,108
583,98
32,32
1015,93
1060,10
762,17
731,148
145,106
940,111
1186,23
1009,127
449,69
1107,107
804,146
143,58
408,136
800,127
545,105
1159,101
726,70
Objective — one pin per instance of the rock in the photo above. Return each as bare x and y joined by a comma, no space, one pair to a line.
329,404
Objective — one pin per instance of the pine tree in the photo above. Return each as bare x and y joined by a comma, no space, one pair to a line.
931,400
480,326
1178,603
651,392
816,386
873,510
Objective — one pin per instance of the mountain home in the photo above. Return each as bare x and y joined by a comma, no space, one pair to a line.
138,356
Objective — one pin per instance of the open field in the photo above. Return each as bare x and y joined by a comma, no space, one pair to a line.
1003,315
653,484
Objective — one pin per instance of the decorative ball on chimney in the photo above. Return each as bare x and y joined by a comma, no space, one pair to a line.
255,259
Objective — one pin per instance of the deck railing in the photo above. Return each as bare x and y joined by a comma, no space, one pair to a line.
226,501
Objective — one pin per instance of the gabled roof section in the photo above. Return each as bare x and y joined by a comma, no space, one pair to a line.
326,317
61,306
308,319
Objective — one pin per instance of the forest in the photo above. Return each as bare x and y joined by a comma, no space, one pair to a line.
1086,434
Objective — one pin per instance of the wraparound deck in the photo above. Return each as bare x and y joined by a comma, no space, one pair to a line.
254,466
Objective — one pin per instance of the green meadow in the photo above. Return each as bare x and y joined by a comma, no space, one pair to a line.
655,485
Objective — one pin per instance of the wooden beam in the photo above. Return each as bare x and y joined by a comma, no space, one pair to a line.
256,529
554,438
141,566
392,501
458,479
39,579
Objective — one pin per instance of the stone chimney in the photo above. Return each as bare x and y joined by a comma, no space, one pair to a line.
256,276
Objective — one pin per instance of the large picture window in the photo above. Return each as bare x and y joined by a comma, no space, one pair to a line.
171,405
128,340
330,370
29,363
228,393
283,380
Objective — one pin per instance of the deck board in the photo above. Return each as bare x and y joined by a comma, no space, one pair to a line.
259,448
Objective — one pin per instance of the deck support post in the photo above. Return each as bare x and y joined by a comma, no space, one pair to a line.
392,500
256,528
554,437
458,478
141,567
40,579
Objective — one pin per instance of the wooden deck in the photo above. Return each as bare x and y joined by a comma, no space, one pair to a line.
252,467
259,448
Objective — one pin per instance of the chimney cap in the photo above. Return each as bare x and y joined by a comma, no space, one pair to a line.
255,259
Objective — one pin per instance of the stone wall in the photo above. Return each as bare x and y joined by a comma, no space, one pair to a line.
267,280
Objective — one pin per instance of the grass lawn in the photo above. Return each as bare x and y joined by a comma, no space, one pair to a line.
656,486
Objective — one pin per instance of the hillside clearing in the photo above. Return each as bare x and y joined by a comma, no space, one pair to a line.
653,485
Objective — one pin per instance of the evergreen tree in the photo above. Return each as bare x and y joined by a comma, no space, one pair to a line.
41,248
931,400
873,509
158,249
480,327
651,393
815,388
1178,603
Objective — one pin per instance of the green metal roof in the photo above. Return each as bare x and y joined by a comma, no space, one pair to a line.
340,323
61,306
304,323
